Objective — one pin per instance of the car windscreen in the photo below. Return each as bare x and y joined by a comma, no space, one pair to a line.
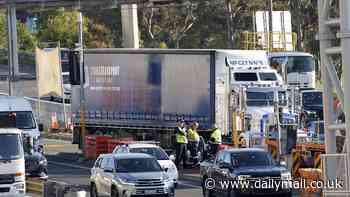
268,76
10,147
137,165
259,98
153,151
242,159
20,120
245,77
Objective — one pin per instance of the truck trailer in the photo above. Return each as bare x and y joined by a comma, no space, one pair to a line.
142,93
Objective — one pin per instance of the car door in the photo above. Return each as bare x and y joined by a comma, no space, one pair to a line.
108,175
95,173
216,171
102,177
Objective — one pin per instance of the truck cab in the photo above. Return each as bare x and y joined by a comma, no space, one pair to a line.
16,112
22,112
311,104
259,107
12,170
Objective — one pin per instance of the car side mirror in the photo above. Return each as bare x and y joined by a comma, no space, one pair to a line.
172,157
41,149
41,127
165,169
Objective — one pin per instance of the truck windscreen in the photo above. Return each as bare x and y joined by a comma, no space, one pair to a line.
21,120
259,98
10,147
294,64
268,76
245,77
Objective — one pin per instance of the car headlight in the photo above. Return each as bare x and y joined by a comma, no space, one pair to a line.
286,176
165,177
172,169
126,181
43,162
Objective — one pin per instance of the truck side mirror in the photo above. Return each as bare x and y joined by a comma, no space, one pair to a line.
41,127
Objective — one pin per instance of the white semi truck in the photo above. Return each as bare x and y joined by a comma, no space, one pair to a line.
296,68
143,92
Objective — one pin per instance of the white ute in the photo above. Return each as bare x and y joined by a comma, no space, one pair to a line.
12,170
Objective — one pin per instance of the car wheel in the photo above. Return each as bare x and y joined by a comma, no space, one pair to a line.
93,190
206,192
114,192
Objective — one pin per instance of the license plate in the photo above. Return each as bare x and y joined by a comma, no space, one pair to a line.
150,192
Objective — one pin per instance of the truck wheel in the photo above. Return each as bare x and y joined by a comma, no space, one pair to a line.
93,190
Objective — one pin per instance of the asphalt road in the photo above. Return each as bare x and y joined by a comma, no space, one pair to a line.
64,167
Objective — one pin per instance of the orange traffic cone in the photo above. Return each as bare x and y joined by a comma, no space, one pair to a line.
54,122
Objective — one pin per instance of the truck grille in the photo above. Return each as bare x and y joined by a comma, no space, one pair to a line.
4,189
149,183
7,179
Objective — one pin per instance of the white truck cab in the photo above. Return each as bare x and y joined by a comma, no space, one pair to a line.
12,167
251,68
23,112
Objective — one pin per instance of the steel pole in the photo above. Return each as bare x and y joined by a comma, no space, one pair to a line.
130,26
345,45
330,138
81,72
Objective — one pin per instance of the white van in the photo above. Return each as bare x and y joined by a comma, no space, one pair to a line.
23,112
12,167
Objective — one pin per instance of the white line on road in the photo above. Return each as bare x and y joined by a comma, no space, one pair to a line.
69,165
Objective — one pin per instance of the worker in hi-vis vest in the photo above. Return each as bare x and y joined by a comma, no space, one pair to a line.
215,140
193,142
181,144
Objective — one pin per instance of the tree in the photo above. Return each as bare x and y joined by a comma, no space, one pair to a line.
169,24
61,25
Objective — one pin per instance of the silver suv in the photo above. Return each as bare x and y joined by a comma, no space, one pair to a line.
126,175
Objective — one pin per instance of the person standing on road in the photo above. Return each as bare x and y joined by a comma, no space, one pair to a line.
193,142
181,144
215,140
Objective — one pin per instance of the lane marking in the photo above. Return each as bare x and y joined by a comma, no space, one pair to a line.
69,165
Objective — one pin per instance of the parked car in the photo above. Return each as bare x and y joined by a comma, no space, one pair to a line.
243,166
129,175
164,160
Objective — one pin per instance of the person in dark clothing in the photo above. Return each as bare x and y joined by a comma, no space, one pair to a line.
181,144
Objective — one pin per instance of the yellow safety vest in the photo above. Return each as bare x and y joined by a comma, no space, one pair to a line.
216,135
192,135
181,139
